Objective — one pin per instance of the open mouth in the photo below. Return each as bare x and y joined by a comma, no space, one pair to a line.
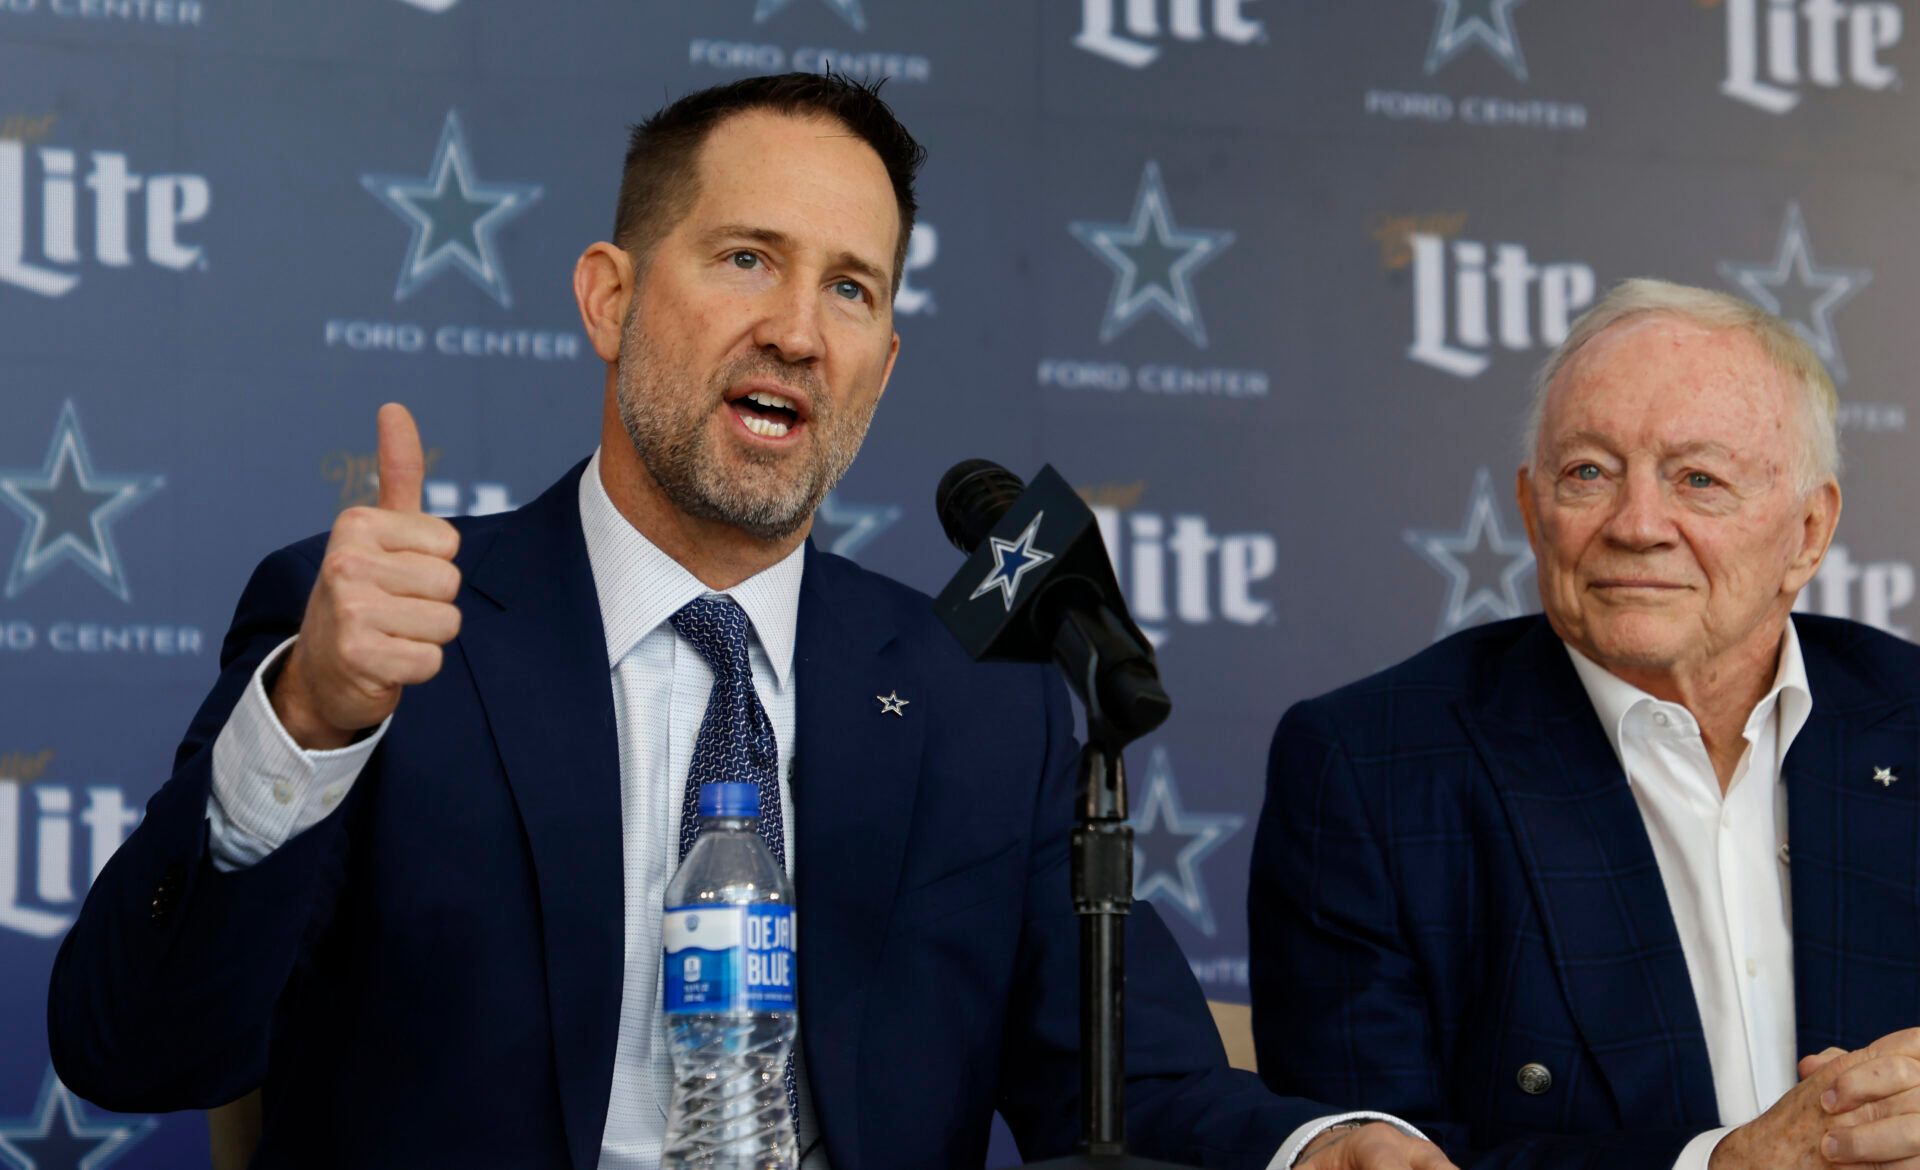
767,414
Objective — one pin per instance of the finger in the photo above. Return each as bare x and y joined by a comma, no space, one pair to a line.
1881,1077
403,466
413,619
1877,1141
400,662
1834,1069
1906,1041
375,528
1819,1060
1898,1164
396,574
1907,1102
417,532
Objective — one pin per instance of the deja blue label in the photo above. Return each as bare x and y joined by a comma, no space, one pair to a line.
729,958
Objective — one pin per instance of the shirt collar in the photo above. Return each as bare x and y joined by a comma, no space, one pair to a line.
640,586
1614,698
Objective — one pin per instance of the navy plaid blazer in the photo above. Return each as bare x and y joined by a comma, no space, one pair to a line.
1451,880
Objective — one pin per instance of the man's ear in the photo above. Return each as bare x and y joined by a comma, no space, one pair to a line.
1523,493
886,375
603,287
1819,517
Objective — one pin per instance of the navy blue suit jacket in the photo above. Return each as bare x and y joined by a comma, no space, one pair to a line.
1452,880
432,975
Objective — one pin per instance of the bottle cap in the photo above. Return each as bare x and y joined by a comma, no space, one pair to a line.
729,799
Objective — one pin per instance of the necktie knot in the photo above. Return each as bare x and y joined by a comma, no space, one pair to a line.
717,628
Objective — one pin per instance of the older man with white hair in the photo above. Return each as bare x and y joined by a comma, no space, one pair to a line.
1634,882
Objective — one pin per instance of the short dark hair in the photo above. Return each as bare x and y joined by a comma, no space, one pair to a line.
661,177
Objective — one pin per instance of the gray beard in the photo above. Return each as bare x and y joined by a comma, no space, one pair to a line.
676,452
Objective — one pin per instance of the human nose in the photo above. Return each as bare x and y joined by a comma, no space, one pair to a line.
790,326
1639,519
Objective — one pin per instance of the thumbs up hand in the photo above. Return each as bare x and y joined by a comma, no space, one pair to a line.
380,610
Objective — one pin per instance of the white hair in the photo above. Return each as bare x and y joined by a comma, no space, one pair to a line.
1785,348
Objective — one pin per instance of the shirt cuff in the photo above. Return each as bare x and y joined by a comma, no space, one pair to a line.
1301,1138
1694,1155
266,788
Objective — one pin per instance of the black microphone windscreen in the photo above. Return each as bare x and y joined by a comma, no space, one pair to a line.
972,497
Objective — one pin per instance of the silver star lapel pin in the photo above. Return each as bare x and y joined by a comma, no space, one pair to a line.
1884,777
892,704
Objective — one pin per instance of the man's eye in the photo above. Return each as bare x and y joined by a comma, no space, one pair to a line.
1699,479
745,260
849,289
1586,471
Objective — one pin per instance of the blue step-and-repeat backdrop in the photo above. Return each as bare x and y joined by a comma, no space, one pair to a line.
1266,279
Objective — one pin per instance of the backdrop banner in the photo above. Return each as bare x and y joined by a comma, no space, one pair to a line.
1266,281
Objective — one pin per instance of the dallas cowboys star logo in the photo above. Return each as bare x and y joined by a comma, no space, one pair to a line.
70,509
1012,560
1482,562
58,1135
454,216
1465,23
1805,296
1884,777
857,524
849,10
1163,829
1153,262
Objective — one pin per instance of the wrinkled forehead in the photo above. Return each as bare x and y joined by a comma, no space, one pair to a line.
1661,382
806,175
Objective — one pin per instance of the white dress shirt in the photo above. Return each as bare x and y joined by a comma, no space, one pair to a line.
1722,858
266,789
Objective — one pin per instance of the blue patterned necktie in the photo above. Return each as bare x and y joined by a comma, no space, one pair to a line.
736,738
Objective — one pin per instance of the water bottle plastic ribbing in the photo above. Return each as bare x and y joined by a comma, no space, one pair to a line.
729,979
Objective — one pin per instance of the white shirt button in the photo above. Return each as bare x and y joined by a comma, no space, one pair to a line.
282,791
332,796
1660,717
1753,969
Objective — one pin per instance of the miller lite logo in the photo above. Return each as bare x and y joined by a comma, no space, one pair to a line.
1776,46
1127,32
1871,591
358,474
44,241
67,830
1178,569
1470,297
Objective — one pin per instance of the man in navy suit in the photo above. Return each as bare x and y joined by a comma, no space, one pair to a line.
1581,889
407,875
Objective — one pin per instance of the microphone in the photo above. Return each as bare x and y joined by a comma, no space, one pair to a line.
1038,586
971,498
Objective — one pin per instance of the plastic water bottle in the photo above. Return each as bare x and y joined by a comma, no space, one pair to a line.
729,937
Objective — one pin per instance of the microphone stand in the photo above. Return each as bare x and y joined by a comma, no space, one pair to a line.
1074,615
1113,674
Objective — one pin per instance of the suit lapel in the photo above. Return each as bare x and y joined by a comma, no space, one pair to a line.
1855,849
539,661
1603,907
856,774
